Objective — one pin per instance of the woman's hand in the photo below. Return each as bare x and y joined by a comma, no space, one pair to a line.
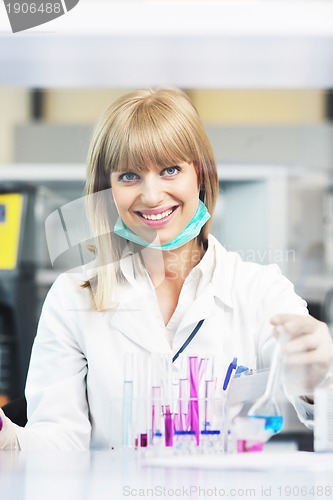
8,439
307,352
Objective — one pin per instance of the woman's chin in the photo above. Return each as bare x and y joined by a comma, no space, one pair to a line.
152,236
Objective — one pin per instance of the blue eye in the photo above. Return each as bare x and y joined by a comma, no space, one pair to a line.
128,177
170,171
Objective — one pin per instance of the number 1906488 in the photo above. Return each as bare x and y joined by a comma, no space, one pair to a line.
33,8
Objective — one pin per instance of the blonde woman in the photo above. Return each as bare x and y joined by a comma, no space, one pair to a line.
160,280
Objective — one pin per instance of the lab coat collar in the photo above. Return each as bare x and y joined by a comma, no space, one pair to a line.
125,314
136,296
222,282
220,285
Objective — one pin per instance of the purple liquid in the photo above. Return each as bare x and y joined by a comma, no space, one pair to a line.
168,430
143,440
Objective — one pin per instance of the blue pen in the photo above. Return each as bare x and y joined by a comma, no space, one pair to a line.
230,369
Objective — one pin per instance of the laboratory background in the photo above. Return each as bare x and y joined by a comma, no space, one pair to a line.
265,94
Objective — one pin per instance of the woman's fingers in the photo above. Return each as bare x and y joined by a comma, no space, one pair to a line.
307,350
295,325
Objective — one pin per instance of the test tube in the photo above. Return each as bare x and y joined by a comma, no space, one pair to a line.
127,435
166,365
194,393
208,405
202,369
209,392
156,412
156,397
184,396
168,427
142,399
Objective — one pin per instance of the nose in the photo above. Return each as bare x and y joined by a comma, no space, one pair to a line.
151,193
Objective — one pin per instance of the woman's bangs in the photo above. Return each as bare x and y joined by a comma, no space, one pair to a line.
154,145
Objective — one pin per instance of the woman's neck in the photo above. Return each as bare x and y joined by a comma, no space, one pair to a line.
174,264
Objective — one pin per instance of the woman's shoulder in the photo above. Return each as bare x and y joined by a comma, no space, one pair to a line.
231,265
237,281
69,285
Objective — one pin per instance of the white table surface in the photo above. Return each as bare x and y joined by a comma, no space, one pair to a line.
109,475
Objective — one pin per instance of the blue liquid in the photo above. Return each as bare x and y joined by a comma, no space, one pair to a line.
273,424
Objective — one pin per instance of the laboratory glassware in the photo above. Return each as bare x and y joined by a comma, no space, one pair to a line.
267,407
127,437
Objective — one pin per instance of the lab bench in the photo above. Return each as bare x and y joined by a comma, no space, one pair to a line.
105,475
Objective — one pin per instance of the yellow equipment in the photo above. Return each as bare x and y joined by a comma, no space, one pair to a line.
11,206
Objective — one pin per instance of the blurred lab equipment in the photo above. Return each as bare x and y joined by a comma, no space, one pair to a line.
25,273
323,415
17,288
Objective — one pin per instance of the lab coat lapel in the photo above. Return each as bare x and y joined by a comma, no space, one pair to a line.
203,307
132,318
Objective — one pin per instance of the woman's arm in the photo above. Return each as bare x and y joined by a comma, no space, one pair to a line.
57,406
8,437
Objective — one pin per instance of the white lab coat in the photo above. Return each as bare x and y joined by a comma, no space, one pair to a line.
75,379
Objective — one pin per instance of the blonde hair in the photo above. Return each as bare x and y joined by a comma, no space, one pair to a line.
140,129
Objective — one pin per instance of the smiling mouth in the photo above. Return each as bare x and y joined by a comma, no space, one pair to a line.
160,216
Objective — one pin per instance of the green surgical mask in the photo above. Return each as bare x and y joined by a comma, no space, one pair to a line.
192,230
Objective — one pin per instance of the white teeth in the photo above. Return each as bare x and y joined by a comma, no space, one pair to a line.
157,216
